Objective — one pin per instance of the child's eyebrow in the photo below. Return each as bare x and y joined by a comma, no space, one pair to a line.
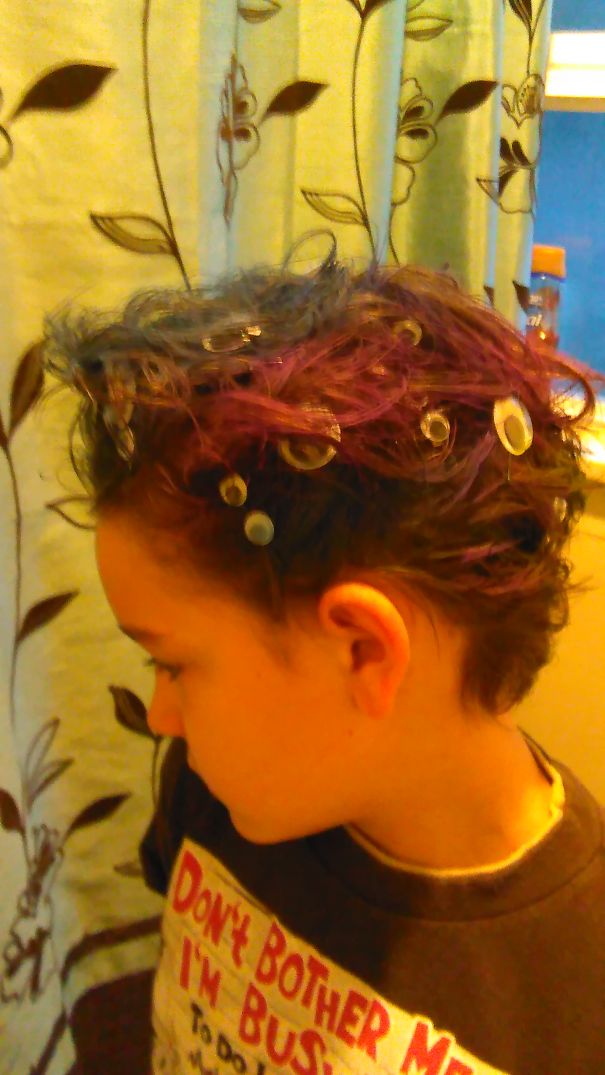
139,634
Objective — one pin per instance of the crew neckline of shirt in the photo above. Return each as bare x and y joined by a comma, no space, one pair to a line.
556,808
568,846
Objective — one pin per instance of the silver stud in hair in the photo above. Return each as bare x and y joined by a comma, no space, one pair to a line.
259,528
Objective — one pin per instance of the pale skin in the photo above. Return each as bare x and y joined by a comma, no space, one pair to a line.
361,725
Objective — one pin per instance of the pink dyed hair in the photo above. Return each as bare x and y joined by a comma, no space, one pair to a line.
465,526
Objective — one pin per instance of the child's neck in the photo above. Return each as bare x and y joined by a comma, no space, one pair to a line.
474,807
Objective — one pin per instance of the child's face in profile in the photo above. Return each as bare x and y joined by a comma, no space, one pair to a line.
282,746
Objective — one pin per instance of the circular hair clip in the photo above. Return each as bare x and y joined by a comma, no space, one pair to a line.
409,328
233,490
513,425
304,454
435,427
259,528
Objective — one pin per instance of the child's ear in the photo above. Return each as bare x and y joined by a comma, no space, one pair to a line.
373,640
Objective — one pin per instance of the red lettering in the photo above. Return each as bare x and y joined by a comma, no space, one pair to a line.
187,883
327,1003
209,983
316,970
239,940
217,919
294,962
349,1016
203,902
309,1041
253,1011
274,946
456,1067
283,1057
428,1061
185,963
379,1016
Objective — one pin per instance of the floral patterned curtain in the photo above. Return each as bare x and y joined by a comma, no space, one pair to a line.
155,143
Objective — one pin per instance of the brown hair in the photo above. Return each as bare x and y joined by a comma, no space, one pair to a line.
473,529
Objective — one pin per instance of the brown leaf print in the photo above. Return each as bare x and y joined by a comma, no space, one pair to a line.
27,386
130,711
334,206
468,97
64,87
258,10
43,613
294,98
425,27
10,818
136,232
95,812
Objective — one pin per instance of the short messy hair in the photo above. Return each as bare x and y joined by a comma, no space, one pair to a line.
466,526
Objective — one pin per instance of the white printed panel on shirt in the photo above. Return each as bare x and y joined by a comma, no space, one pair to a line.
236,993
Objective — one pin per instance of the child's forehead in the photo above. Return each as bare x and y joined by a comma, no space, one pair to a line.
154,596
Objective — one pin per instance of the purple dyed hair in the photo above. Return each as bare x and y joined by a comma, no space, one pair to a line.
465,527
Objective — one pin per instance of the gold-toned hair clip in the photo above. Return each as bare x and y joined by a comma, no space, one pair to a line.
304,454
435,427
409,328
231,339
233,490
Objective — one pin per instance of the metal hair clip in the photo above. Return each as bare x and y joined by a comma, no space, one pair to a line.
513,425
258,526
233,490
436,427
411,329
304,454
230,339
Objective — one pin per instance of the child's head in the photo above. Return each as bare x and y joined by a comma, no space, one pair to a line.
335,493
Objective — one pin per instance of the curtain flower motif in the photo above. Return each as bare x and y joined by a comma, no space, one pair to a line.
526,101
28,962
416,137
514,188
237,137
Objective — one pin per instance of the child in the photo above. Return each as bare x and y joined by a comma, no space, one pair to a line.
333,510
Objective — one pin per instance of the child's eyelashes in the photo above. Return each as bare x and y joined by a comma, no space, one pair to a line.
171,669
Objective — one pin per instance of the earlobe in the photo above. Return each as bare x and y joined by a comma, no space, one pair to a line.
374,641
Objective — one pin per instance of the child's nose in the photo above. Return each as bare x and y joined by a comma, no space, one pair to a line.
163,717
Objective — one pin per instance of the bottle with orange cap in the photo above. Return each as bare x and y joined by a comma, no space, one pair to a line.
547,276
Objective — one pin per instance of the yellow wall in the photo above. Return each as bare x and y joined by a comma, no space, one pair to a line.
566,710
